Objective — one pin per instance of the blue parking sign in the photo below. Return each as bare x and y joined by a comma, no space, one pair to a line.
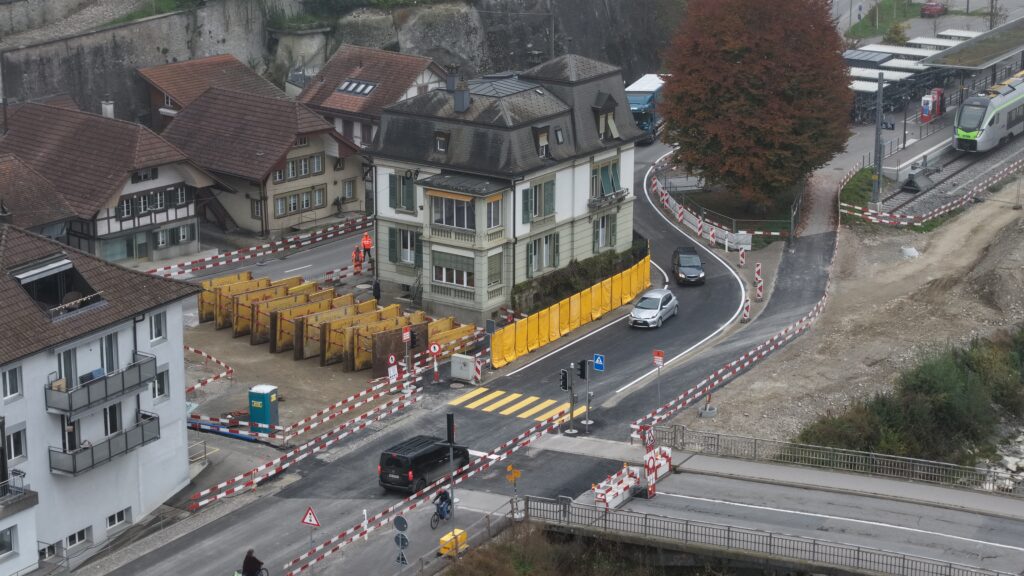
599,362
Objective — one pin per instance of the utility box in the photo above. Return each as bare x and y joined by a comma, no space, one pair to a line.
464,368
263,407
453,543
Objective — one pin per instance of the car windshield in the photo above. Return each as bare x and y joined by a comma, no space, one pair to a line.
648,303
689,260
971,117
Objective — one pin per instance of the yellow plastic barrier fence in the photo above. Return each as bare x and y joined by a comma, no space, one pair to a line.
208,298
546,326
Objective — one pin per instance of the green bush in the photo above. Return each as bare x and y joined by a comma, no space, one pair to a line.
947,408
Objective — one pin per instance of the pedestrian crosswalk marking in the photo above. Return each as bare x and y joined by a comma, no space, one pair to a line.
508,398
471,394
564,407
519,406
485,399
536,409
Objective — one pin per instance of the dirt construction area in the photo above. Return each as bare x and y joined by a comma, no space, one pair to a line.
885,310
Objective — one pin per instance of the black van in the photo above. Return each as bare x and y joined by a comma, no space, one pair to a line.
687,267
414,463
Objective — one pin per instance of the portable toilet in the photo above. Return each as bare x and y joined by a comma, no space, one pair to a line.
262,407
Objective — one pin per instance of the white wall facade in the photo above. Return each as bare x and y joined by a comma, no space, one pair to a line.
136,482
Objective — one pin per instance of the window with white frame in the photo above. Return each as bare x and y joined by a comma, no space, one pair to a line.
80,537
278,176
12,382
256,207
348,189
406,246
124,208
144,203
494,213
318,197
293,203
452,212
181,195
559,136
160,238
453,269
17,445
604,178
307,200
154,200
542,144
145,175
604,232
112,419
606,127
301,141
167,101
542,253
160,388
291,169
47,552
280,206
184,234
8,537
318,163
304,167
157,325
441,141
118,518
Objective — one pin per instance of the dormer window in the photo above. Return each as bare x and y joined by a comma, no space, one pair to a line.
606,127
55,285
441,141
167,102
144,175
542,145
301,141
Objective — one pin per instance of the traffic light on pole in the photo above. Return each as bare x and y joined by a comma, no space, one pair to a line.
412,339
581,369
450,426
565,379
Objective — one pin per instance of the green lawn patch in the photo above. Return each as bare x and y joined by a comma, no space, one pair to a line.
889,12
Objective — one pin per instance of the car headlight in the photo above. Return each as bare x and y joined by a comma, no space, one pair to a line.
701,275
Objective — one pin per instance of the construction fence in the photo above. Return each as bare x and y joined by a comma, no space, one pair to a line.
541,328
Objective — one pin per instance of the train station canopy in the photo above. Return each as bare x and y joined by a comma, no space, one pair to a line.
982,51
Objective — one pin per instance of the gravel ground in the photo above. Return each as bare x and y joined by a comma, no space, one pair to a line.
96,14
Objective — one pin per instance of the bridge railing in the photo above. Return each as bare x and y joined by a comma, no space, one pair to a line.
838,459
821,553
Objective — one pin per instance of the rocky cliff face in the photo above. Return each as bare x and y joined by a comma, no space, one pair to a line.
480,36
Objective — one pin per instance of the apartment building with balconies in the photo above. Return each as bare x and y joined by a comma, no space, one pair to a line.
93,399
500,179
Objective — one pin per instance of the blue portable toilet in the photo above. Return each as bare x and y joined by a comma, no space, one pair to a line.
262,407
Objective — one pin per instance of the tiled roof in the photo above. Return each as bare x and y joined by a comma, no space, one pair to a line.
186,81
493,103
569,68
391,72
31,199
241,134
25,328
56,100
88,156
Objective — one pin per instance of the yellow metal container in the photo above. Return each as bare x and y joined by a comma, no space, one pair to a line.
449,541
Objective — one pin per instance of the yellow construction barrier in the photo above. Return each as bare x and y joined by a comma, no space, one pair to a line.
452,341
208,298
550,324
307,328
222,312
241,318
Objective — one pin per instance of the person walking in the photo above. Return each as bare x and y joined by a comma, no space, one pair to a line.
367,244
357,260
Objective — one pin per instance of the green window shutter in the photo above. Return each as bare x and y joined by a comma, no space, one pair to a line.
612,225
549,197
615,175
555,251
408,194
392,191
191,231
526,205
393,244
418,255
529,259
596,226
606,180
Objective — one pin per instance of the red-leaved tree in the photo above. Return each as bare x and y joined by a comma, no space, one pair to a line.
759,93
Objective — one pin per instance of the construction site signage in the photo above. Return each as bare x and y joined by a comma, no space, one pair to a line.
310,518
406,334
435,348
650,466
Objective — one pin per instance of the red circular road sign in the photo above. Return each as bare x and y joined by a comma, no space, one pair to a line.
391,359
435,348
659,357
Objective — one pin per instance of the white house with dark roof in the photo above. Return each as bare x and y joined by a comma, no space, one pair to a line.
502,179
93,400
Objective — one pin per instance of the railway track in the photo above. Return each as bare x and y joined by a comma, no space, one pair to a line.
948,179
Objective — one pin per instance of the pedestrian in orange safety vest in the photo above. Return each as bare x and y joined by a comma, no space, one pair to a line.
357,260
367,247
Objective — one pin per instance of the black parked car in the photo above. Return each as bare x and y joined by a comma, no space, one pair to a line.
413,464
687,267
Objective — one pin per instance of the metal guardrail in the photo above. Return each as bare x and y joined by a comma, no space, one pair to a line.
822,553
838,459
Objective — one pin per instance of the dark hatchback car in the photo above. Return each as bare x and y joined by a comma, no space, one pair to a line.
413,464
687,267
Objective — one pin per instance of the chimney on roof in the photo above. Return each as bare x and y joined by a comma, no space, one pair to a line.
107,107
461,97
452,78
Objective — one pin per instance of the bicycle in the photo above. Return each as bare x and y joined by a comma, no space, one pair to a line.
436,518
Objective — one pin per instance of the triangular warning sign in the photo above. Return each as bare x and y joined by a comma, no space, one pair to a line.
310,518
401,559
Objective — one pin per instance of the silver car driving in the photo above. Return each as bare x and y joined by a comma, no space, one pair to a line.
653,308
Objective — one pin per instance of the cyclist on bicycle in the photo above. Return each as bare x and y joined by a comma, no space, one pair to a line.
251,566
443,502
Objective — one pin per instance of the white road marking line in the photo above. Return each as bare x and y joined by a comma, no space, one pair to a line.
841,518
743,289
662,270
299,268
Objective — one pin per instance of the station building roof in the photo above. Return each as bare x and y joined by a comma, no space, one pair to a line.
983,51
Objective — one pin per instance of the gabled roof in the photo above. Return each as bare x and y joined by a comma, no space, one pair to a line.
89,157
503,102
186,81
569,69
391,74
242,134
25,328
31,199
